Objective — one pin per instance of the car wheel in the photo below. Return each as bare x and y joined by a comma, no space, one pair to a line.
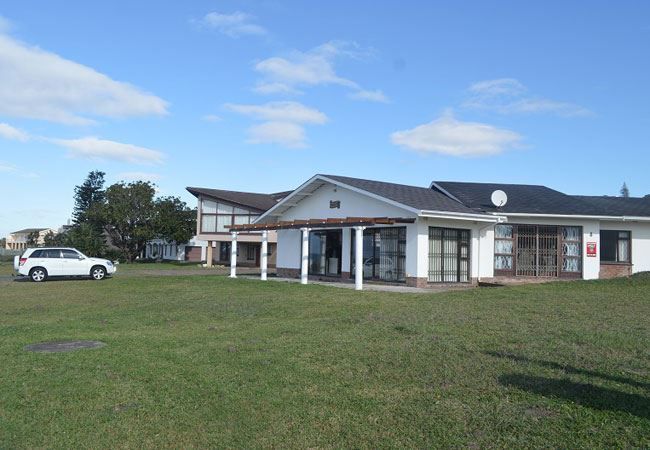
38,274
98,273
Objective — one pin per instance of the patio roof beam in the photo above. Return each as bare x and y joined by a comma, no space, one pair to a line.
323,223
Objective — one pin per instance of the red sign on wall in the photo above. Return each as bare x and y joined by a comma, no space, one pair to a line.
591,249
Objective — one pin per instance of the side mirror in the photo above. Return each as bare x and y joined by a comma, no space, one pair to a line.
81,257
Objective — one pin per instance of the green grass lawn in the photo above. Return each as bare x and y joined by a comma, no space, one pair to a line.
6,268
206,361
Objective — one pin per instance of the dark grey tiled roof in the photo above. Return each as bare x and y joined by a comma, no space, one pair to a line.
535,199
620,206
280,195
522,198
252,200
421,198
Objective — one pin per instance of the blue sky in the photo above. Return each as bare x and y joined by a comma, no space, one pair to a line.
260,95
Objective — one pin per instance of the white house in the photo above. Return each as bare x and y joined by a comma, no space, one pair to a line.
334,227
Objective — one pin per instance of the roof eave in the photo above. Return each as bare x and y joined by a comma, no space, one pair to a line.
462,216
581,216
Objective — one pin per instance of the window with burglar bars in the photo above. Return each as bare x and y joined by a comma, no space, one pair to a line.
448,255
537,250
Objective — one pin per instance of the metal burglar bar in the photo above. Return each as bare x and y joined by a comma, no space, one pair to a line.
547,250
448,255
386,258
527,250
537,250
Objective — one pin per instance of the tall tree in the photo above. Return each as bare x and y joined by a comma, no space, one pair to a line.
86,238
88,197
32,239
625,192
129,214
174,220
87,234
52,239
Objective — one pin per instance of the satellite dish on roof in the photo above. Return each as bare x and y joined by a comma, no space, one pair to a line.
499,198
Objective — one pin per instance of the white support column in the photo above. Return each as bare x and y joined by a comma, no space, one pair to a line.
233,255
304,258
358,258
263,255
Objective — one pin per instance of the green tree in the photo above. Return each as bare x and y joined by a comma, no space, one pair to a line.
129,215
32,239
85,238
625,192
87,234
52,239
174,220
88,197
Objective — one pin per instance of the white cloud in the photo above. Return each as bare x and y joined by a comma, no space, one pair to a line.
5,25
37,84
280,111
286,134
9,132
8,168
310,68
449,136
369,96
283,122
100,149
275,88
285,75
211,118
138,176
509,96
234,25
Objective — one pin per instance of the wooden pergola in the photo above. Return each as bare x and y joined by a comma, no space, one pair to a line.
322,223
358,223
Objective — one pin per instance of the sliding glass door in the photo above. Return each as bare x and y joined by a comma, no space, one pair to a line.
384,253
325,252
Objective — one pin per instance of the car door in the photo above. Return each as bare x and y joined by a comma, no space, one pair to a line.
51,259
72,263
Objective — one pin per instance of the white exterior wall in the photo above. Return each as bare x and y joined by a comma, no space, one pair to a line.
353,204
481,249
640,242
288,249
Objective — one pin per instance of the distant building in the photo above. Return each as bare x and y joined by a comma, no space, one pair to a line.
18,240
194,250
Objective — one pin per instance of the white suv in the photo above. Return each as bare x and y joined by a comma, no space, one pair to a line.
40,263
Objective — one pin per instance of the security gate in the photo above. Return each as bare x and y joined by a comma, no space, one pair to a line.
537,250
448,255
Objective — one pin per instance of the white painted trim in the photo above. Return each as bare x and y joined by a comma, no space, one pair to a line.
578,216
444,191
284,201
463,216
